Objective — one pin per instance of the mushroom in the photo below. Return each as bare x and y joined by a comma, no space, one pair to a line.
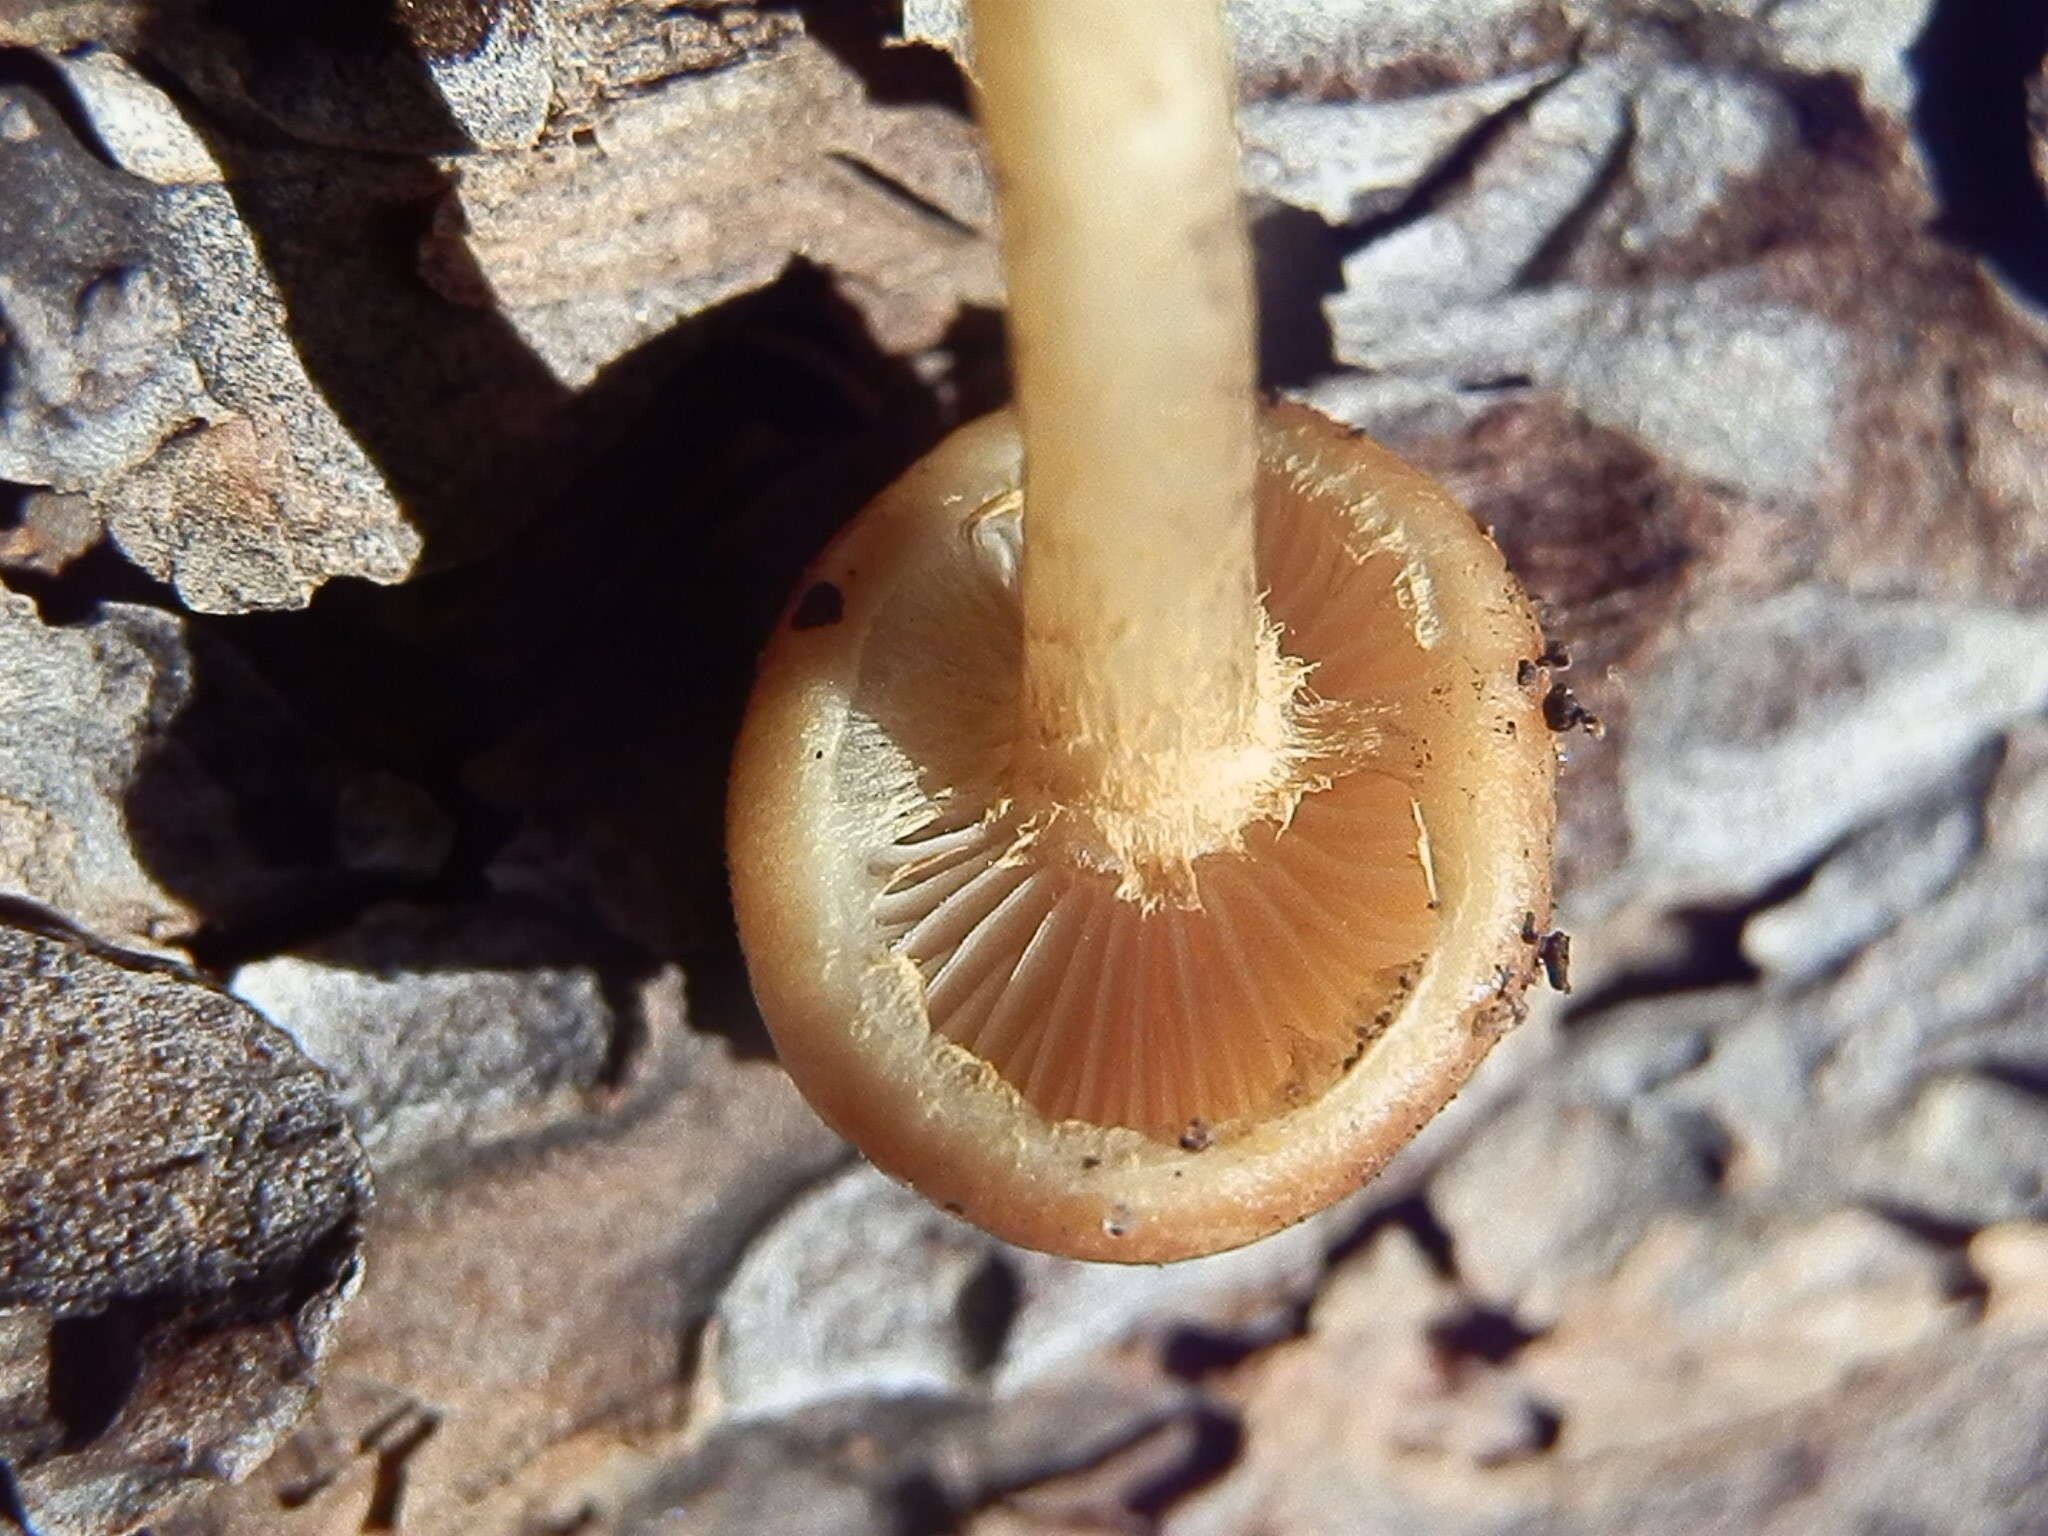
1142,818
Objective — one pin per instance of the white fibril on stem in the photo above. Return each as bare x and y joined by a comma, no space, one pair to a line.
1153,701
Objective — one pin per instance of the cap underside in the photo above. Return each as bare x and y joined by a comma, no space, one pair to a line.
1181,1019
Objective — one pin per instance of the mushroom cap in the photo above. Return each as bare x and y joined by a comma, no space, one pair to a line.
962,987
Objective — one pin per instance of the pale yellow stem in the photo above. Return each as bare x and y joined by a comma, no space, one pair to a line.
1131,326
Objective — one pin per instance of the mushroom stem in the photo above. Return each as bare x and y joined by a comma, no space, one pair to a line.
1148,675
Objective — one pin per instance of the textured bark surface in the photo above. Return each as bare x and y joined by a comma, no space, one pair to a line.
411,418
181,1206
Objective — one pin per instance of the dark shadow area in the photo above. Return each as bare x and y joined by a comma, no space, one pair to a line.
1215,1441
1444,178
17,912
901,192
569,704
26,67
1413,1216
1195,1352
95,1364
1708,1143
78,592
918,1504
1972,65
1707,953
986,1310
1707,950
1948,1234
11,1509
2022,1076
1550,262
1828,112
1296,263
895,73
1488,1334
394,1448
1936,1231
